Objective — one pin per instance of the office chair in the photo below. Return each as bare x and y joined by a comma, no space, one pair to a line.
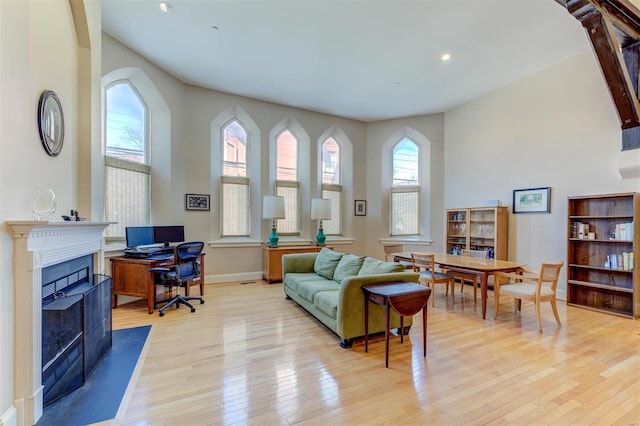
186,267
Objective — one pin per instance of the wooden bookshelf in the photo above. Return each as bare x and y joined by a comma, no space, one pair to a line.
594,280
478,228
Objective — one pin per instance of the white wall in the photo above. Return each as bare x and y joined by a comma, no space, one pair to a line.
558,128
38,51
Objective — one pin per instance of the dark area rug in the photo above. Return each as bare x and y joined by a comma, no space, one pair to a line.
100,397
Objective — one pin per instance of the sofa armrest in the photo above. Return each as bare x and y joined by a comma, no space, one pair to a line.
298,263
350,313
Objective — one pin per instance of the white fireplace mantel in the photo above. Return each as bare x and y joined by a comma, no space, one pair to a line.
36,245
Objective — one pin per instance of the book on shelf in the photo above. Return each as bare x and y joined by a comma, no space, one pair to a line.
624,231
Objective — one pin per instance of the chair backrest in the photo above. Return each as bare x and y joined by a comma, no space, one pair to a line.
549,273
186,260
474,253
422,261
391,248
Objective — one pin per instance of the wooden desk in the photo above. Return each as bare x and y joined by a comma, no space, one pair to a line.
131,277
272,266
406,299
471,265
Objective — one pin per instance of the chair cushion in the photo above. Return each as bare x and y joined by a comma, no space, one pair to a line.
372,266
308,289
327,302
349,266
524,289
326,263
426,275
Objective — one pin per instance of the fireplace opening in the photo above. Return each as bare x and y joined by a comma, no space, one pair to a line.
76,325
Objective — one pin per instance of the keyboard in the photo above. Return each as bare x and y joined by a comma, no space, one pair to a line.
145,252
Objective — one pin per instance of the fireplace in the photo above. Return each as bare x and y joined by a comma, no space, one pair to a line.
76,325
37,246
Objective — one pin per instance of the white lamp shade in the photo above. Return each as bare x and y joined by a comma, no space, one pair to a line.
273,207
320,209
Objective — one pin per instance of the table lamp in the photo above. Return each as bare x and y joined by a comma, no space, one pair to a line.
273,208
320,209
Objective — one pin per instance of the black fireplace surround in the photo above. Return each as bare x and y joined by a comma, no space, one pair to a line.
76,325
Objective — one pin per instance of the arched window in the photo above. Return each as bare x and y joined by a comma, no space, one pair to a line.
288,182
127,169
235,182
331,164
405,189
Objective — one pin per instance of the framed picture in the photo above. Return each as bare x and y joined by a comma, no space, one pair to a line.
533,200
360,208
196,202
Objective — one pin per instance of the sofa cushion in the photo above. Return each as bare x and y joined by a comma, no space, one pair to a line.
294,279
308,289
326,263
327,302
348,266
372,266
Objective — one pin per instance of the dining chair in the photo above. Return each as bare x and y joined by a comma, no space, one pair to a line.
424,264
470,276
536,286
389,249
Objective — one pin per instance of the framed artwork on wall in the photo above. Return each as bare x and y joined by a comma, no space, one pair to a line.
197,202
360,208
533,200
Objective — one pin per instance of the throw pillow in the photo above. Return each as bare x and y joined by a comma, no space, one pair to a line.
348,266
326,263
372,266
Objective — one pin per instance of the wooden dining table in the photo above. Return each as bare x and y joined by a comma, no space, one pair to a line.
482,268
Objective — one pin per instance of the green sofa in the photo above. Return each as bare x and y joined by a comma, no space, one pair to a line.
328,285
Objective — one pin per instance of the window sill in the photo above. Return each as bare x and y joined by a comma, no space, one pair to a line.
405,240
234,242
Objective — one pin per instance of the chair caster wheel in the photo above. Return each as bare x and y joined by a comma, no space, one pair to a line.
193,309
161,314
201,302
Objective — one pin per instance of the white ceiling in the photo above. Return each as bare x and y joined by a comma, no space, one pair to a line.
367,60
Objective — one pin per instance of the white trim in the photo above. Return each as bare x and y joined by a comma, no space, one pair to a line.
234,242
405,241
10,417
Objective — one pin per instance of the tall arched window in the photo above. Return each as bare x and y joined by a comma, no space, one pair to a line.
127,169
288,182
405,189
235,182
331,164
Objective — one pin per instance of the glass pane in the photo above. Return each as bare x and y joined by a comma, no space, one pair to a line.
330,161
333,226
405,163
290,223
125,127
126,200
235,209
286,157
405,211
235,150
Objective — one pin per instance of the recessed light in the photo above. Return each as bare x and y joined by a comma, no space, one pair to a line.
215,28
446,56
165,6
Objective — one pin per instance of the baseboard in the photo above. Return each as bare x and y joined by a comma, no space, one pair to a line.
10,417
226,278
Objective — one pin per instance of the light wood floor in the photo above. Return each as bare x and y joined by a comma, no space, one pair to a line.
248,356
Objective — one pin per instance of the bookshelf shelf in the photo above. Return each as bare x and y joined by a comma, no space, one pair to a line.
602,271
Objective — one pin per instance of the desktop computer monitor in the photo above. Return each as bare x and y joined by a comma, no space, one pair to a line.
139,236
168,234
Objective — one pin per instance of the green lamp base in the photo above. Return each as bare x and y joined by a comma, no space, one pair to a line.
273,238
320,238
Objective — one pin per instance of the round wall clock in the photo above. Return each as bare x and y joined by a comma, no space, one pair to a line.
51,122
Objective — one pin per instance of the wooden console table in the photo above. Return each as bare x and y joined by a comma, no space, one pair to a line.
272,266
131,277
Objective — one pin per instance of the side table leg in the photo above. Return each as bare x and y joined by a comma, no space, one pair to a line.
401,329
366,323
386,335
424,330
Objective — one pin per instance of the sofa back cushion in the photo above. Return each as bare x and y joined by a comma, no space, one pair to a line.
349,266
326,263
372,266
